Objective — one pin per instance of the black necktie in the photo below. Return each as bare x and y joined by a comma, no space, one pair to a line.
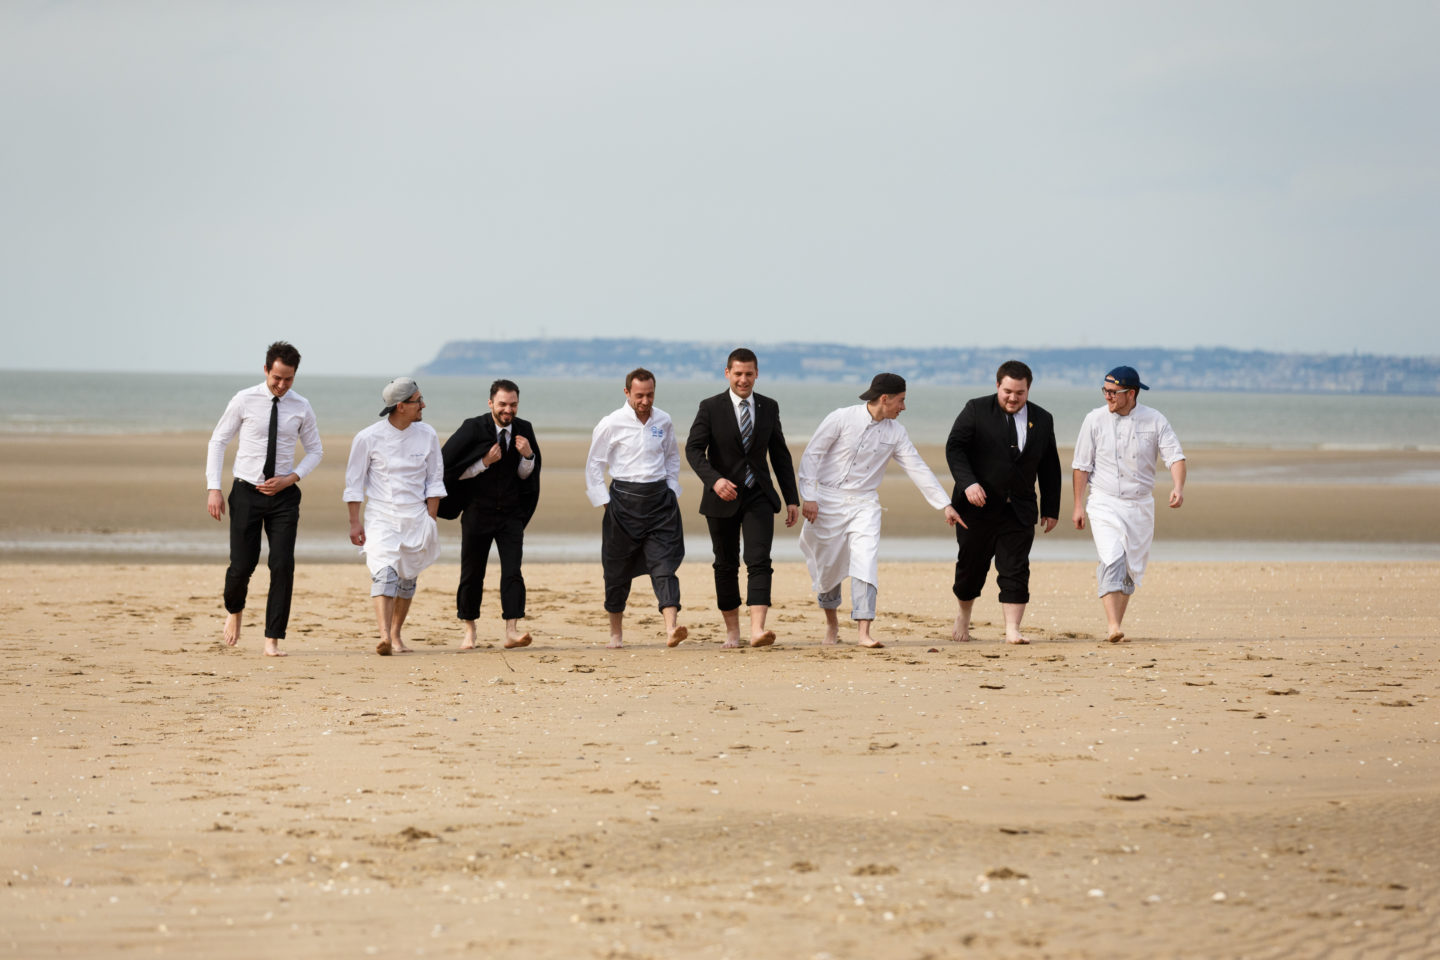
504,442
1014,437
269,468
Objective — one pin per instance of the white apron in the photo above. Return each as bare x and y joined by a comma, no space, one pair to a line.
844,540
1122,528
402,536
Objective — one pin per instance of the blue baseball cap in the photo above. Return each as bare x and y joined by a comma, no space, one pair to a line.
1126,378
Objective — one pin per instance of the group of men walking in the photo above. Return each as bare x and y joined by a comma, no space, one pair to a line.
488,475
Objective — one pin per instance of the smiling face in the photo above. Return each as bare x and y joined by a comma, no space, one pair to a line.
742,378
1118,400
280,377
641,397
410,410
503,406
1012,394
887,406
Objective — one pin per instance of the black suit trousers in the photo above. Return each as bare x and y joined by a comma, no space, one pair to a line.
478,529
279,516
1002,536
756,521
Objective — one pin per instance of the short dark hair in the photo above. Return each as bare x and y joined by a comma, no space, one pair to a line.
741,355
284,352
1015,370
639,373
509,386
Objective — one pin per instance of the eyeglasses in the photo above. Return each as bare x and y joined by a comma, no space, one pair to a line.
1111,393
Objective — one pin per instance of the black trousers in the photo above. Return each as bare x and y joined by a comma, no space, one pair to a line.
279,516
756,521
479,528
1003,537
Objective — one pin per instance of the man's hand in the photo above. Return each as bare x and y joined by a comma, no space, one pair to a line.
275,484
1078,517
492,455
792,514
810,510
952,516
357,534
725,490
1177,497
215,503
975,494
522,446
1048,523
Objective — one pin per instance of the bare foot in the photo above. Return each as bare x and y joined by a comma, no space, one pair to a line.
832,635
1016,639
961,633
272,648
615,642
1116,635
232,629
399,645
676,635
764,639
383,648
523,640
730,644
872,643
467,642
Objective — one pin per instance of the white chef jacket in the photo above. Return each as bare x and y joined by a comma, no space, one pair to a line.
631,450
1119,452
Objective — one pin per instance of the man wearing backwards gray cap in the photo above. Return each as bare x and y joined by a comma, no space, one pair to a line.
1115,456
396,463
840,474
268,418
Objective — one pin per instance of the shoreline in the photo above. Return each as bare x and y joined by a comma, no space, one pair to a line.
127,496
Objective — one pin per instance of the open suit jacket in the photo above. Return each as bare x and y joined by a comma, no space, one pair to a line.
714,450
979,451
471,442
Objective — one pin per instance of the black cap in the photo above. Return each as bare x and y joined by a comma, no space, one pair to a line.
884,383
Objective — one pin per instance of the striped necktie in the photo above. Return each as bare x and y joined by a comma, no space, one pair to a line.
747,434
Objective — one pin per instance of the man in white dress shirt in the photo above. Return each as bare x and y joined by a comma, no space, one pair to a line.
1115,457
396,463
840,474
268,418
641,531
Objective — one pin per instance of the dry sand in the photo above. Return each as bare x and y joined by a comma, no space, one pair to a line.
1255,775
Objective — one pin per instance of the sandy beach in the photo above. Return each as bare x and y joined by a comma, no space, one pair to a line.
1255,775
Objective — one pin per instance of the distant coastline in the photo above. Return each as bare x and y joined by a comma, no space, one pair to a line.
1211,368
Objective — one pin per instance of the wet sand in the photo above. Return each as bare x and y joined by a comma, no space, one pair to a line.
58,487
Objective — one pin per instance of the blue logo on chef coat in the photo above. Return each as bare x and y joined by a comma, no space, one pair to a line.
657,432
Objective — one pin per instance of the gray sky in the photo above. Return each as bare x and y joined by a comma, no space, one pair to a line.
181,182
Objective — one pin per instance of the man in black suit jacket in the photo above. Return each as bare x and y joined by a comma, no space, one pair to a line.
738,494
492,473
1000,445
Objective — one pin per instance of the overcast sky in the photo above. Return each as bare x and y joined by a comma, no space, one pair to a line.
181,182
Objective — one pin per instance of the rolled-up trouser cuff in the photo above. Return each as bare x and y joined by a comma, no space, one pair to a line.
862,599
1114,578
387,583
